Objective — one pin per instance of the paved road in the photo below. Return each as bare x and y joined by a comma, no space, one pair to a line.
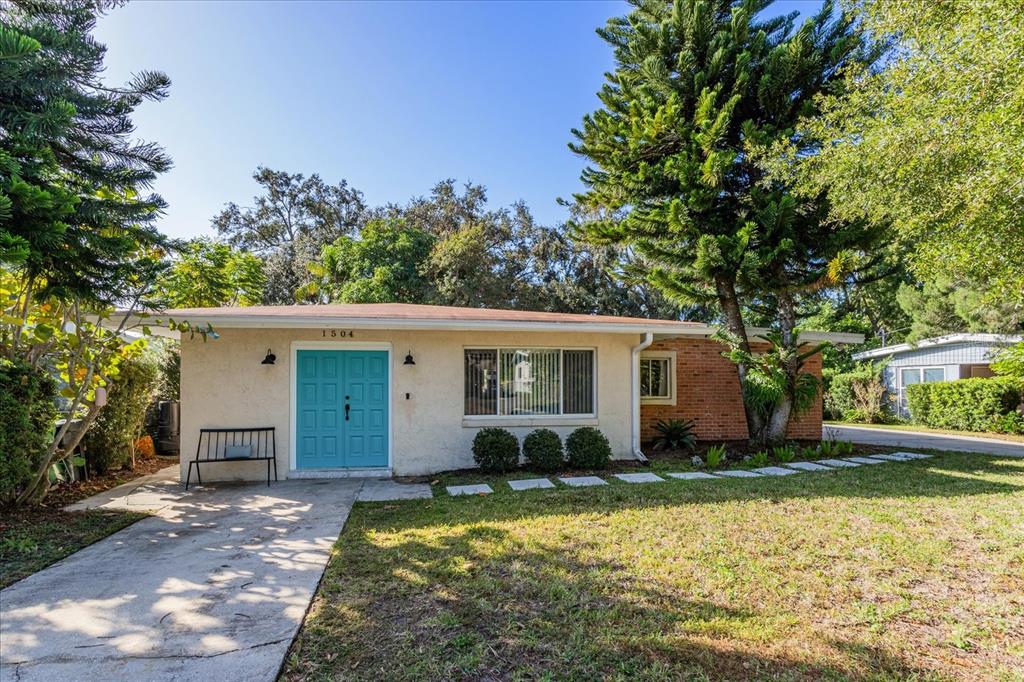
914,439
212,588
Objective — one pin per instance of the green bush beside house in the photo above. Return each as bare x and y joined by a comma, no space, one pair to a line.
496,450
858,396
110,442
28,410
968,404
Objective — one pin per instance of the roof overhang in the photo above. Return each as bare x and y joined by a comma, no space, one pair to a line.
992,339
662,329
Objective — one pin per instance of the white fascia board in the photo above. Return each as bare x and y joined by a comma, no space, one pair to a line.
320,322
274,322
938,341
841,338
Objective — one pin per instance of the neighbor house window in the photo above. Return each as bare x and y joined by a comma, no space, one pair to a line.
657,384
529,382
916,375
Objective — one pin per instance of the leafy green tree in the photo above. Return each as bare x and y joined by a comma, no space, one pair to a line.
208,273
382,265
481,257
1009,361
74,216
698,88
942,307
289,224
933,142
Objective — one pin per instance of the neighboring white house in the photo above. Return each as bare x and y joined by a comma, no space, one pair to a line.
942,358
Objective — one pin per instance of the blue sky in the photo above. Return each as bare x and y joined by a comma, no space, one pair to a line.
389,96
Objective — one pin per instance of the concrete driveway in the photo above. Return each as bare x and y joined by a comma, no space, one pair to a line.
915,439
212,588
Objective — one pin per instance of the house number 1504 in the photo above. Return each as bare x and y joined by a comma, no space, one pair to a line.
338,333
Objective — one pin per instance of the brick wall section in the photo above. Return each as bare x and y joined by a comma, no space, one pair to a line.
708,391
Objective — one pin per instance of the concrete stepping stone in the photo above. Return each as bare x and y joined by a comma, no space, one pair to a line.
838,463
891,458
645,477
582,481
691,475
739,473
807,466
530,484
388,490
776,471
864,460
911,455
476,489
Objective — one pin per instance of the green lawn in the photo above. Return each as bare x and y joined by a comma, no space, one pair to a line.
1016,437
896,571
33,538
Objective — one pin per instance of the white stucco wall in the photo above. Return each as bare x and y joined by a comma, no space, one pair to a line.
224,385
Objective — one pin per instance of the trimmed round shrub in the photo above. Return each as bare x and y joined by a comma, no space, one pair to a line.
543,450
587,448
495,450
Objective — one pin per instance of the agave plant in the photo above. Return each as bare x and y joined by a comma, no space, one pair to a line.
675,434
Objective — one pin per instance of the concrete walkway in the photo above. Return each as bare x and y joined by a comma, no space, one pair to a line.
145,494
916,439
213,587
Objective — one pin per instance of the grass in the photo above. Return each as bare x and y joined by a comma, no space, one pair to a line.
33,538
1016,437
910,570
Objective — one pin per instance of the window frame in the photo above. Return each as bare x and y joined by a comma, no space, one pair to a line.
561,389
670,356
901,388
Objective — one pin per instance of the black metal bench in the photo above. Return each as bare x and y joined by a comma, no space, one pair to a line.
254,444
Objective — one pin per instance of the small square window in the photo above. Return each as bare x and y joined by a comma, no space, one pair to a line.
656,378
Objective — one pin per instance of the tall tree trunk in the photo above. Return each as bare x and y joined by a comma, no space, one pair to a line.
777,424
725,288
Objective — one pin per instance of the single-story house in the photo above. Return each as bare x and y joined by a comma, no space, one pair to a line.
941,358
395,389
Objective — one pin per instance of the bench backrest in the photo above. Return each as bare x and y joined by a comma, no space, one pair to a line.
219,444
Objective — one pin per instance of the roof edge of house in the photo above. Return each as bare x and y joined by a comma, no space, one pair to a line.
661,328
938,341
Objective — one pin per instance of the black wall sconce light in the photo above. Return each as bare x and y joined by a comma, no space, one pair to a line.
270,359
408,359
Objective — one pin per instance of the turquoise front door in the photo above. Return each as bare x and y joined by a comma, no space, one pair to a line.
341,409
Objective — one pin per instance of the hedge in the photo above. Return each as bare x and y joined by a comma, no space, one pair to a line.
110,441
965,404
28,410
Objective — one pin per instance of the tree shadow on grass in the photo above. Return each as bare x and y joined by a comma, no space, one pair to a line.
440,589
481,604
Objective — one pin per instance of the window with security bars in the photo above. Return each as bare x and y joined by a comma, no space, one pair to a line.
529,382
